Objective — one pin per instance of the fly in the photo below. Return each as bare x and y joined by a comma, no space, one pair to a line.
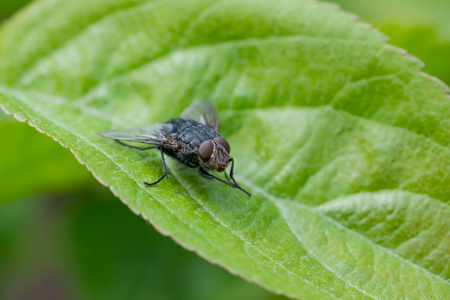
192,139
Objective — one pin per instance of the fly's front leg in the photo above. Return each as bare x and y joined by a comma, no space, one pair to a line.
234,181
164,170
136,147
232,170
204,173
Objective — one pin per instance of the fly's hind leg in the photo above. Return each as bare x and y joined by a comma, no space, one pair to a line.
164,170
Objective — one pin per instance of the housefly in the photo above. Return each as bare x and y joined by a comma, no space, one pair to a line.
192,139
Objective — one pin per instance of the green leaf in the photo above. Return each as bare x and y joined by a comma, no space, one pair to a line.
341,139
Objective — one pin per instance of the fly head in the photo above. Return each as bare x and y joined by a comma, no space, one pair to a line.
215,154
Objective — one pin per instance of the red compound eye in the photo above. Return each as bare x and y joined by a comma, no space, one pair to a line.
206,150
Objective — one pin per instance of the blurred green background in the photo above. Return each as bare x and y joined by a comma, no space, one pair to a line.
64,236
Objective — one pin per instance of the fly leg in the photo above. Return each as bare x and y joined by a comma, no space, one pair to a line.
234,181
204,173
164,170
136,147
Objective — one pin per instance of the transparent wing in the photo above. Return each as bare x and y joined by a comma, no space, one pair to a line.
154,134
204,112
